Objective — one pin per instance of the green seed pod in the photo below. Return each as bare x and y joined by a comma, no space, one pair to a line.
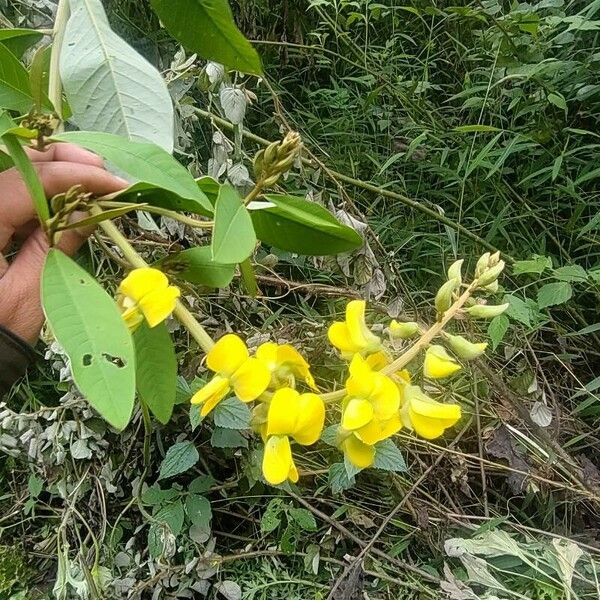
491,288
465,349
403,331
491,274
455,270
486,311
482,264
257,164
443,299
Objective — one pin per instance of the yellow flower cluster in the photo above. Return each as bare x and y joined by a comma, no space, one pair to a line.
376,405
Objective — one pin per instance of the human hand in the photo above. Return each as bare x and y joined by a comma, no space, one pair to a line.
59,168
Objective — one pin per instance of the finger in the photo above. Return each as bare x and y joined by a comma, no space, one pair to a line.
22,280
16,208
61,152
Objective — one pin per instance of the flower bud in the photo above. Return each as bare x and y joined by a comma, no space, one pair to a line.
486,311
465,349
491,288
491,274
494,259
455,270
438,363
403,331
443,299
482,264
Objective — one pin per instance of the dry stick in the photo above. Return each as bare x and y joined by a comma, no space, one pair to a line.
418,206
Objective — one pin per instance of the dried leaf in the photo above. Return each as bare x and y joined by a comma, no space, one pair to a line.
501,445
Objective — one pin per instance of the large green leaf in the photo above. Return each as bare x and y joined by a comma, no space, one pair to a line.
156,369
304,227
15,90
17,40
197,266
207,27
233,236
109,86
87,324
143,162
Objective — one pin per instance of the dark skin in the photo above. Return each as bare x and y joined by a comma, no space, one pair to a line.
60,167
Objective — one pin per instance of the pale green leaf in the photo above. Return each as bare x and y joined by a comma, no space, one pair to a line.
197,266
552,294
109,86
271,518
537,265
179,458
303,518
227,438
497,329
231,413
172,515
88,325
571,273
388,457
338,478
198,510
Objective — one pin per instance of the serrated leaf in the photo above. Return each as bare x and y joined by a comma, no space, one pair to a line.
271,518
518,310
553,294
179,458
156,369
201,484
143,162
338,478
221,40
233,102
196,265
198,510
195,416
88,325
538,264
172,515
571,273
388,457
329,435
227,438
231,413
233,238
155,496
109,86
300,226
303,518
497,329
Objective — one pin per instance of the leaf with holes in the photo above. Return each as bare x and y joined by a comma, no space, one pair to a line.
180,457
87,324
207,27
233,236
109,86
156,369
197,266
297,225
303,518
146,163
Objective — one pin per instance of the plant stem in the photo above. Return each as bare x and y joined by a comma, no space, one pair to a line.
54,84
165,212
181,313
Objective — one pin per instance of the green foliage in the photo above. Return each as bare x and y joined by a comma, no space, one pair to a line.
179,458
196,265
17,40
15,89
86,322
232,414
388,457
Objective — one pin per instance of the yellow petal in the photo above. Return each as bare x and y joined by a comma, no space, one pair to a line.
357,413
277,460
438,363
251,379
360,334
435,410
311,419
403,331
267,352
427,427
376,430
283,412
227,355
159,304
362,379
378,360
339,337
289,358
385,397
293,474
132,317
361,455
259,419
143,281
211,394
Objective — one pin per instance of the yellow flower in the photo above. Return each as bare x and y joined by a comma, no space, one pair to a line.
291,415
146,293
352,336
370,409
426,416
235,370
285,364
361,455
438,363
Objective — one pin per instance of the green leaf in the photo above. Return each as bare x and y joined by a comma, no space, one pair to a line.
172,515
388,457
156,369
552,294
143,162
197,266
156,545
330,435
220,39
195,416
338,478
35,485
198,510
558,100
155,496
518,310
201,484
303,518
571,273
109,86
179,458
497,329
227,438
233,235
88,325
300,226
271,518
477,129
231,413
15,89
538,264
17,40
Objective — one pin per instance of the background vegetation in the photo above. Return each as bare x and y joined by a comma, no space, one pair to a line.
440,130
